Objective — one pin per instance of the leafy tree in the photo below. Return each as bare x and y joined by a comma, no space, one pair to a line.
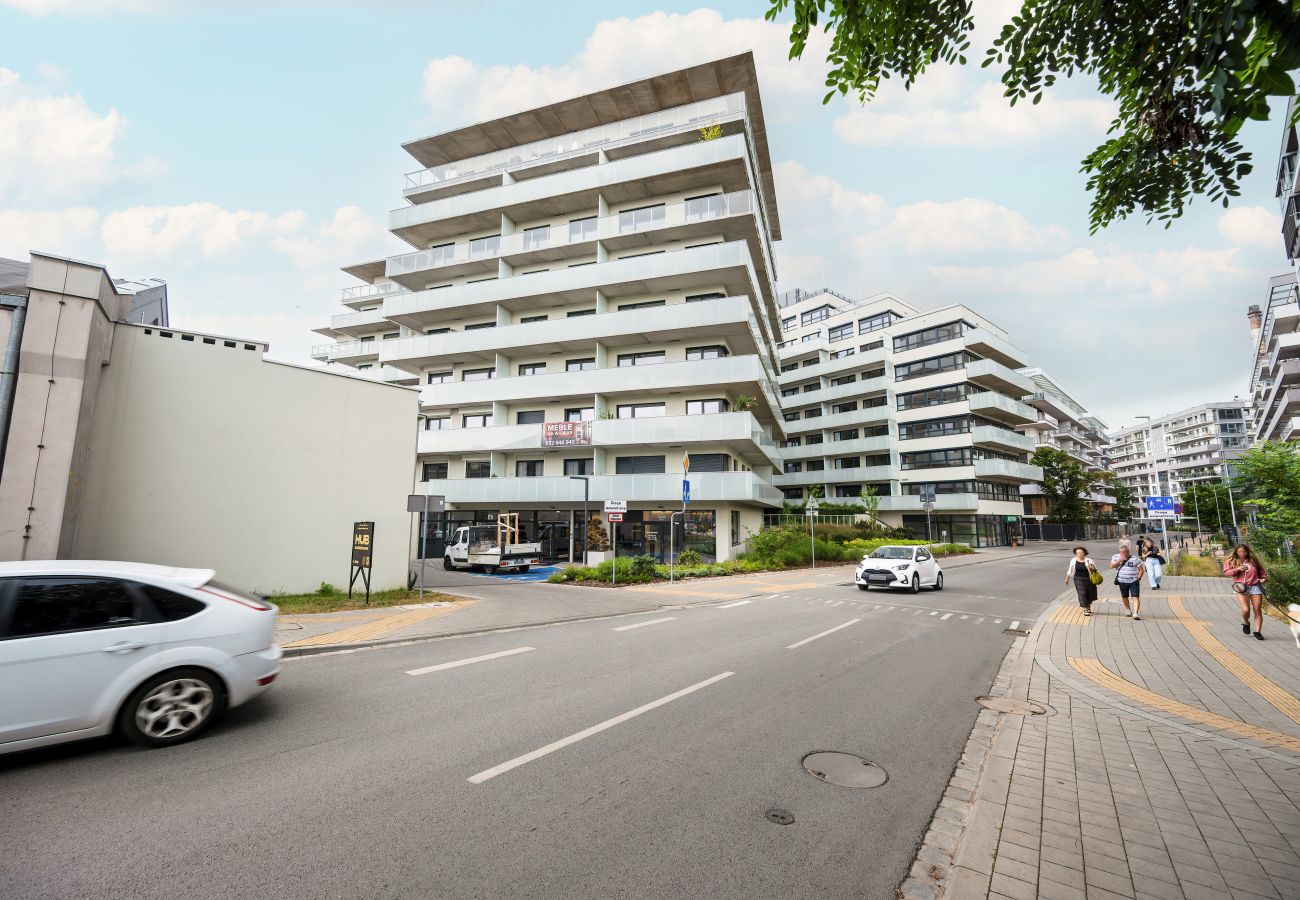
1066,485
1207,502
816,491
871,501
1186,77
1267,477
1123,506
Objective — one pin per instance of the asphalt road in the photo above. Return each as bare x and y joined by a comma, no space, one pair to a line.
606,761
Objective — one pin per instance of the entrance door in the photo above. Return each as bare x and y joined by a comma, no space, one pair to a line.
555,541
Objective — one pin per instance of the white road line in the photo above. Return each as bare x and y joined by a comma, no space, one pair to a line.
465,662
734,603
836,602
935,613
878,606
891,609
823,634
945,617
980,620
964,618
1015,625
828,601
997,621
594,729
644,624
918,612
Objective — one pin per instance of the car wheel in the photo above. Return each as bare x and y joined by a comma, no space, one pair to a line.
916,583
864,587
446,563
172,707
938,582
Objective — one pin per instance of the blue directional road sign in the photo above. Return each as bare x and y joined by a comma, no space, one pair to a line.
1161,508
686,491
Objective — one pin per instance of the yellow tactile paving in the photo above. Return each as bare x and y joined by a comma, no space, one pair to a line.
368,631
1094,671
1070,615
1286,703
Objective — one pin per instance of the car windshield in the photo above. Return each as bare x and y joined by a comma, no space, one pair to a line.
891,553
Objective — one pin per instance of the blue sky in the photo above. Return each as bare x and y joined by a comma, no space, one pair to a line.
245,154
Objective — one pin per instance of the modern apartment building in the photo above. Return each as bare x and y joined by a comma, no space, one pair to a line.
1287,190
1163,456
1275,374
1064,424
876,393
589,300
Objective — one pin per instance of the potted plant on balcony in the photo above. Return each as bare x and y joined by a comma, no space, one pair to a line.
743,403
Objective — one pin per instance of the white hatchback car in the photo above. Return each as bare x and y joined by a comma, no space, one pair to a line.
899,566
155,653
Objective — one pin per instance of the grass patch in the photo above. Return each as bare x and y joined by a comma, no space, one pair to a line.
327,599
1199,565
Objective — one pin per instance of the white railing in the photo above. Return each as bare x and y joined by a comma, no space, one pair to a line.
577,232
343,349
590,140
368,291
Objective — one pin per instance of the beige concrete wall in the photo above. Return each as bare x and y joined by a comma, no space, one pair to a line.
203,455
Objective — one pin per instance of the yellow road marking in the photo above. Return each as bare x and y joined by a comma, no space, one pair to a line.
368,631
1286,703
1070,615
1094,671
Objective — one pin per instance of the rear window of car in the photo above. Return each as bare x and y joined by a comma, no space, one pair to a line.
171,606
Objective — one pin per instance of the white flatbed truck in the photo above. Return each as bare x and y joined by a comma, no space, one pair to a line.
492,548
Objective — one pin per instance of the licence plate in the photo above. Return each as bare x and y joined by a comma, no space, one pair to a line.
879,576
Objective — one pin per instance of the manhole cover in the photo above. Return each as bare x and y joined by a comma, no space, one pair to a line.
780,816
844,769
1012,707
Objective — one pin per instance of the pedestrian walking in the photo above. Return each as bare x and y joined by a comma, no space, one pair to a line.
1086,578
1248,577
1128,576
1154,564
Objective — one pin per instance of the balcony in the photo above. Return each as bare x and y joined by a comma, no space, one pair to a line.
739,431
350,352
364,294
354,324
664,490
1286,406
942,503
835,476
987,344
1286,346
574,146
870,416
881,444
865,387
1001,439
988,373
832,367
1002,409
1006,470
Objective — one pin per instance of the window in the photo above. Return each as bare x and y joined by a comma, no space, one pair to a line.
705,206
937,459
934,428
437,330
840,354
434,471
701,407
696,298
850,406
816,465
524,320
843,379
530,417
478,469
642,217
649,358
477,374
367,339
644,304
812,439
476,420
526,369
811,362
848,490
928,336
816,315
840,332
716,351
580,414
479,325
941,487
170,606
931,366
639,465
792,442
535,271
874,345
441,253
813,413
710,462
873,373
735,527
810,337
812,386
789,367
787,323
51,605
582,229
791,416
528,468
577,467
848,462
790,392
391,335
933,397
794,493
848,434
875,323
485,246
792,467
574,313
437,377
364,367
641,410
437,423
580,365
537,236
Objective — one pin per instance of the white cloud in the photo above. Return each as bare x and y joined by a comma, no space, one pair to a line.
801,192
623,50
70,231
154,231
349,235
948,109
1251,226
53,146
931,229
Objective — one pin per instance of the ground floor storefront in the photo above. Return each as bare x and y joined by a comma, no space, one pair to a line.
973,530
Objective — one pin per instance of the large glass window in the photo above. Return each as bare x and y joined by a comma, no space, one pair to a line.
935,364
642,217
437,423
642,410
528,468
933,397
478,469
476,420
580,365
840,332
477,374
934,428
434,471
438,377
707,206
648,358
577,467
816,315
526,369
641,304
639,465
582,229
710,462
715,351
701,407
928,336
580,414
530,417
537,236
937,459
875,323
485,246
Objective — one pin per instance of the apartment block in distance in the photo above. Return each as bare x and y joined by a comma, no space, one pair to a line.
1164,456
878,393
1064,424
589,299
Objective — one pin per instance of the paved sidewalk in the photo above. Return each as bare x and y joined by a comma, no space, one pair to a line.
1165,762
490,604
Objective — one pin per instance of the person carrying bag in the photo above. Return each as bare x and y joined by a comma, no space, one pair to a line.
1083,571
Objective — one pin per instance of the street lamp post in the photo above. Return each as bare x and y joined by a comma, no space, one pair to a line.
586,514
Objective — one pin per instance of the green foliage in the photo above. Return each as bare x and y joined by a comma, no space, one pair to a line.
326,589
689,557
836,534
871,503
1283,585
711,133
789,546
1186,76
1268,475
1066,485
642,567
862,547
1207,501
597,536
1108,483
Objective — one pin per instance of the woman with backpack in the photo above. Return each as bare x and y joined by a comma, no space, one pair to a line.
1153,562
1086,578
1248,577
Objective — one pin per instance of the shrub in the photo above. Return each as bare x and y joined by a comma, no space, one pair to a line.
556,578
840,534
642,568
689,557
326,589
1283,585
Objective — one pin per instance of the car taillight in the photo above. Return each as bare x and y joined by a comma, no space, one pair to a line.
235,596
267,680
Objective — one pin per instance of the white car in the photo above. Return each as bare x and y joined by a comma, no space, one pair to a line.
155,653
899,566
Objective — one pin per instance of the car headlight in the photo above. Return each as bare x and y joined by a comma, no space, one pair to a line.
903,568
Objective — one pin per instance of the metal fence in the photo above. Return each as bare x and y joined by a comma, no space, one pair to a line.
1055,531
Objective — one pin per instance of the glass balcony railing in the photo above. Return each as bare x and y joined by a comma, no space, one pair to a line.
371,291
591,140
580,231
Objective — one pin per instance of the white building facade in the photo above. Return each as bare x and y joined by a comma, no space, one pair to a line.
1064,424
589,301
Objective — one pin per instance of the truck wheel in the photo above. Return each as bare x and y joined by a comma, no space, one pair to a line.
446,563
492,570
524,568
